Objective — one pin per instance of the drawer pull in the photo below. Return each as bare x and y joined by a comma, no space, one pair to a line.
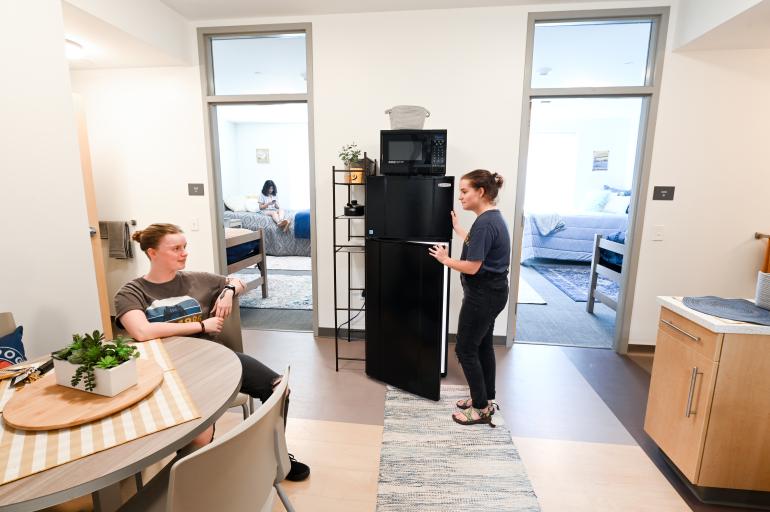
693,377
679,329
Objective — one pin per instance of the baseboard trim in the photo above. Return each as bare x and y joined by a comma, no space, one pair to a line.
636,349
360,334
355,334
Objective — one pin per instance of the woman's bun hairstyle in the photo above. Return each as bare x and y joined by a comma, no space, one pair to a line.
150,237
491,182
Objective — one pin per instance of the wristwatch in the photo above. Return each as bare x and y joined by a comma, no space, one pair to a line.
229,287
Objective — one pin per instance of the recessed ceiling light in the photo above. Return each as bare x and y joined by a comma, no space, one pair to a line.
73,50
544,71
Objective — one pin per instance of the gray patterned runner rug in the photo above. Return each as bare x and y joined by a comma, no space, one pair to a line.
430,464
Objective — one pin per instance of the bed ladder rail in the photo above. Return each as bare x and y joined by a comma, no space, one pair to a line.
598,269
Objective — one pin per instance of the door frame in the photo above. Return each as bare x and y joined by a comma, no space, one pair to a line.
650,93
210,102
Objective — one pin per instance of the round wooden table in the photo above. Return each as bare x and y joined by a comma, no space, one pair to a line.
212,374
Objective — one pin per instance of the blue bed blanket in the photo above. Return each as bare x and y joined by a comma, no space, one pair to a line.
302,224
575,242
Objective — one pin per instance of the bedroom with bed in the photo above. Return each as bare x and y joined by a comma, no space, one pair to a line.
265,173
578,195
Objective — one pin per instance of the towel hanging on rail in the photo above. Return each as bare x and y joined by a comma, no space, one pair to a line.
119,237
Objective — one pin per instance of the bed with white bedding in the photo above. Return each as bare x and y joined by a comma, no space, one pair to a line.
573,240
277,242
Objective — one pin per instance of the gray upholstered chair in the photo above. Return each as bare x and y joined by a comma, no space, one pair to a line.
7,324
236,472
232,337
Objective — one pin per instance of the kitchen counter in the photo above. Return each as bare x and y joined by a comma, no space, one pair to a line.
712,323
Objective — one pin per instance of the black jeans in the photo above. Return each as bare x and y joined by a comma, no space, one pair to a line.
258,380
485,296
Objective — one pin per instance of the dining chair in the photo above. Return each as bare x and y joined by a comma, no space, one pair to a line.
237,471
232,337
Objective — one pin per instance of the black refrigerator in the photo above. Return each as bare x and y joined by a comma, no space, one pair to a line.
407,290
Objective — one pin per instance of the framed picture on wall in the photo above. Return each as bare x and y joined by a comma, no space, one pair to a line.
263,156
601,159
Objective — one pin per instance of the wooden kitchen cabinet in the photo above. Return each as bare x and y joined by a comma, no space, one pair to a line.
709,401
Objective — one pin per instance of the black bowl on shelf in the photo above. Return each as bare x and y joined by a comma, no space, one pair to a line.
353,209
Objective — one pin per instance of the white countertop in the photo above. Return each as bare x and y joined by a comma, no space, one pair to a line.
712,323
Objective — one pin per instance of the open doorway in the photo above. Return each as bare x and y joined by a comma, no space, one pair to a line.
590,97
258,99
264,167
580,170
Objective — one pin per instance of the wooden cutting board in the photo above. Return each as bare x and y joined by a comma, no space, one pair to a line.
44,405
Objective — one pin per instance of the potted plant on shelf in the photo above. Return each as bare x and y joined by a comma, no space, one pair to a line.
350,154
91,364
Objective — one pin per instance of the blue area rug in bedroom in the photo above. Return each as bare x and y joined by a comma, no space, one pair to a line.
574,280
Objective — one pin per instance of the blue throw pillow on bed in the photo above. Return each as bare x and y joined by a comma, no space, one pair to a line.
610,258
12,348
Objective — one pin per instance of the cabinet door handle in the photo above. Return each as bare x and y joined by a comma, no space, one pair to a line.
679,329
693,377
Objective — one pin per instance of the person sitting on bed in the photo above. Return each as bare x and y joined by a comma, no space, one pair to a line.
168,301
269,205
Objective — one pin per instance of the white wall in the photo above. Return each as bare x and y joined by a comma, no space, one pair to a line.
146,132
466,66
228,159
711,143
289,161
46,270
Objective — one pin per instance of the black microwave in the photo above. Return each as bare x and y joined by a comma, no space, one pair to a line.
410,152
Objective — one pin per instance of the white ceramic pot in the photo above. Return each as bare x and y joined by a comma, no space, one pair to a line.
108,382
762,298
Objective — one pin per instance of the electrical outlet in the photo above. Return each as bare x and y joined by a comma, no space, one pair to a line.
195,225
657,234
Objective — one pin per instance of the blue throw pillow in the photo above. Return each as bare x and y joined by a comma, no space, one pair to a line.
12,348
609,258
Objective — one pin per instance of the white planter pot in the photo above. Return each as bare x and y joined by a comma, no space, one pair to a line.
763,290
108,382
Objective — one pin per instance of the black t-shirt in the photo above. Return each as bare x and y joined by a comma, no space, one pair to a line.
488,241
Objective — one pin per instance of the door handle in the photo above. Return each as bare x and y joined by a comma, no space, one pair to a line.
92,231
693,377
679,329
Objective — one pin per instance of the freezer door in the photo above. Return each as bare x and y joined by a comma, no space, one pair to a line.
409,207
406,316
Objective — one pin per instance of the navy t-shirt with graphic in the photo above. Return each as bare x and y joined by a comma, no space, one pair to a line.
488,241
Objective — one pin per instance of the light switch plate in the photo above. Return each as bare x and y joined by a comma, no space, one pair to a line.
195,189
663,193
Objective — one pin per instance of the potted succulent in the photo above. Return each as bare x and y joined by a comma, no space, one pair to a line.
351,155
91,364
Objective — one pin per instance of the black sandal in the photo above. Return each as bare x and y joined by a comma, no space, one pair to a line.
484,417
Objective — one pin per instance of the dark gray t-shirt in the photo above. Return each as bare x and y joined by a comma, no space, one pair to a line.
188,297
488,241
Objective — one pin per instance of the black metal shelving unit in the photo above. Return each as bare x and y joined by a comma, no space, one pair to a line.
352,245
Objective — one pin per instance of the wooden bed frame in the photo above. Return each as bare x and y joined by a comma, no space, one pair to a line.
600,269
258,259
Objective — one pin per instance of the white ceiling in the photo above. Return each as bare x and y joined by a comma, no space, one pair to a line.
748,30
197,10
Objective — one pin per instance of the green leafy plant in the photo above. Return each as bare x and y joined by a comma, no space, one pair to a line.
91,351
350,153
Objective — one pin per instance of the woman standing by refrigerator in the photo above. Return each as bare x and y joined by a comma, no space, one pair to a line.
483,264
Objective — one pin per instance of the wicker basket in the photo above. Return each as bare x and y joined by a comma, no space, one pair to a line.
407,117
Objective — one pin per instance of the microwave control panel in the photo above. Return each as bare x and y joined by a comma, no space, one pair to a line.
438,151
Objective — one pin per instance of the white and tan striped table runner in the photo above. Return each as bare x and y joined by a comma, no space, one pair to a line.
24,453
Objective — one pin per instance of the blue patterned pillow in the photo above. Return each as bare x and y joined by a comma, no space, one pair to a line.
12,348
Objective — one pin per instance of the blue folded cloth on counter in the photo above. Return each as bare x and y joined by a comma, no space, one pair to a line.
740,310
